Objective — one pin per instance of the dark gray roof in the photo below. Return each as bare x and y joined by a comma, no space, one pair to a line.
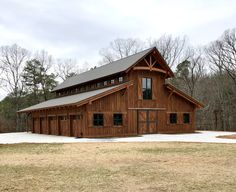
68,100
103,71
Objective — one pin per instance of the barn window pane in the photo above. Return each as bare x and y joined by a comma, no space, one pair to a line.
120,79
98,119
117,119
186,118
147,88
173,118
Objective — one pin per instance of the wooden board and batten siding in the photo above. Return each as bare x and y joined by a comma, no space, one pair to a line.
115,95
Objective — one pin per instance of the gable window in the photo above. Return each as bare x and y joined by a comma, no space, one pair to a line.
173,118
98,119
120,79
117,119
186,118
147,88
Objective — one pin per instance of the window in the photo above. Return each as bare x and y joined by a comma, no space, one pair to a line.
112,81
98,85
105,83
173,118
98,119
117,119
120,79
186,118
147,88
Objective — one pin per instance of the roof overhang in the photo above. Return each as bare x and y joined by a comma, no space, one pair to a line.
184,95
167,70
89,99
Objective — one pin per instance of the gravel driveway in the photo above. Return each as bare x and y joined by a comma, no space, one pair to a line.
201,136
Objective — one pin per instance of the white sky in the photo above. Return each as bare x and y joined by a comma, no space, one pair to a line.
78,29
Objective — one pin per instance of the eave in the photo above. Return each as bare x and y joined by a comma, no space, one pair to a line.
84,101
184,95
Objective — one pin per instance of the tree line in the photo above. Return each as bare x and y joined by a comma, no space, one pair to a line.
207,73
28,79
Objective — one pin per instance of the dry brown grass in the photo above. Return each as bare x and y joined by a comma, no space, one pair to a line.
118,167
227,136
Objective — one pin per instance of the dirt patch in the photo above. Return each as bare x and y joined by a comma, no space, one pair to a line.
228,136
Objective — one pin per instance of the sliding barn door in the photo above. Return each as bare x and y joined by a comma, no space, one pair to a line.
147,121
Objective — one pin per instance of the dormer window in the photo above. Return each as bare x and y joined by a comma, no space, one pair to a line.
147,88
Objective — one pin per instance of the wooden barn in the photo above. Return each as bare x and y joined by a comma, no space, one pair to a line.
127,97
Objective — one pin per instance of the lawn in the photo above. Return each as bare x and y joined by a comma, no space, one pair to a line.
118,167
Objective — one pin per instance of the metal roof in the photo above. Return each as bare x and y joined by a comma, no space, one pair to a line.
103,71
68,100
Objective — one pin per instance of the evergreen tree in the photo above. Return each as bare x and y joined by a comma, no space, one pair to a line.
37,81
31,78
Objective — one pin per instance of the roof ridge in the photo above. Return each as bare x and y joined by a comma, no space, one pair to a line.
114,61
116,66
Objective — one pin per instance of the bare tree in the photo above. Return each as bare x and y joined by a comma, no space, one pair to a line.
190,71
12,60
66,68
45,59
222,53
173,50
121,48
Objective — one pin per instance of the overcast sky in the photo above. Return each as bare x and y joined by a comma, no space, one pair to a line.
80,28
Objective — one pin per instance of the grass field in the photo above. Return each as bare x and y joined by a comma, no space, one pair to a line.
118,167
